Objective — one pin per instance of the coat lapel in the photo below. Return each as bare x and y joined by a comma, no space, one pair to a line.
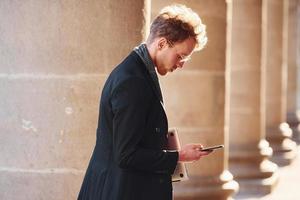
144,55
155,86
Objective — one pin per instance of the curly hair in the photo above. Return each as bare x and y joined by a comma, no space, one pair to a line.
177,23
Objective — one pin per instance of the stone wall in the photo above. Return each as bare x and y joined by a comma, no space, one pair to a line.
54,59
56,55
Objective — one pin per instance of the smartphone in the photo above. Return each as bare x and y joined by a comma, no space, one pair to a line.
212,148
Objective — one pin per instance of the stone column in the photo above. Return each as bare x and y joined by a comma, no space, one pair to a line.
249,151
275,58
292,117
195,102
54,59
298,55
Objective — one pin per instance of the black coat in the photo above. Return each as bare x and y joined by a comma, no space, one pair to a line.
128,162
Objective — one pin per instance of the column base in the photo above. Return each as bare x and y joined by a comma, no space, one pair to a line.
252,169
293,119
258,186
222,187
284,149
285,153
296,134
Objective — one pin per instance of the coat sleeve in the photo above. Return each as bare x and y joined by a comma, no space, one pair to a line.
130,108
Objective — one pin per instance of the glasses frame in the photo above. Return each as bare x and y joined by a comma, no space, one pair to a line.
181,58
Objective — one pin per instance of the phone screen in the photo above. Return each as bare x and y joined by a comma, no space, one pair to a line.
212,148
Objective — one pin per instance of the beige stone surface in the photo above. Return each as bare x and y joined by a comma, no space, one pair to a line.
54,59
194,99
244,97
67,36
273,32
39,185
126,29
48,122
245,58
245,73
275,59
292,56
245,136
249,152
292,118
275,91
298,54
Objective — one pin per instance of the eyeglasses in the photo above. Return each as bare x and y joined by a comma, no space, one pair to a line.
181,58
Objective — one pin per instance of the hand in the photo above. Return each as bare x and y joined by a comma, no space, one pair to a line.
191,153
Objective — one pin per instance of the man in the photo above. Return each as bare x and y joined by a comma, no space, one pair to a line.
130,160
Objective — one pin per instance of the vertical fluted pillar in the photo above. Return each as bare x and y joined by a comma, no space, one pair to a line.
298,55
292,117
195,102
275,59
249,151
54,59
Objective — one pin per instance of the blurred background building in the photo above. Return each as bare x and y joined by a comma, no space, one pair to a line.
241,91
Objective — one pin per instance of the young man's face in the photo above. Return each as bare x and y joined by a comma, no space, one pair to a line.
169,58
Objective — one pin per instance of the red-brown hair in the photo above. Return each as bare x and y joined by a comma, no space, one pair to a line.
177,23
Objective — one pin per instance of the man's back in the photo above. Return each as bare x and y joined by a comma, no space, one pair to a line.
129,120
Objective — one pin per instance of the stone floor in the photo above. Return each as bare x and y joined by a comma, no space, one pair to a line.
288,187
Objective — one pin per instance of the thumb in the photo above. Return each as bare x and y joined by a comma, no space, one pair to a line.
197,146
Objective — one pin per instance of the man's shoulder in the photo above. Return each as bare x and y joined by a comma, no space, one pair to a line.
131,69
132,66
131,63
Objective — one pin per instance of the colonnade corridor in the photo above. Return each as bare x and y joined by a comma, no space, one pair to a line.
242,90
287,187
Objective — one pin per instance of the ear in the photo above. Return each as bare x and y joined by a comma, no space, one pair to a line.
162,43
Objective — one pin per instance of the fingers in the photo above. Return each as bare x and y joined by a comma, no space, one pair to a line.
196,146
196,152
192,152
204,153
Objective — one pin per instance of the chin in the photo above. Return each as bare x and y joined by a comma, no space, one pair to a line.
162,73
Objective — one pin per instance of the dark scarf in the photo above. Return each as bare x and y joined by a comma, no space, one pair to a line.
143,53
